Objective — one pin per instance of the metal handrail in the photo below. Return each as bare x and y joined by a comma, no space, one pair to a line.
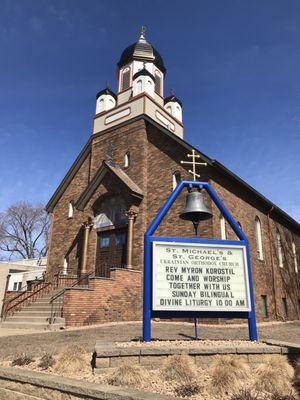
60,295
25,295
39,280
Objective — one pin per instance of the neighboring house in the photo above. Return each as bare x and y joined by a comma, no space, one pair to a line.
20,281
14,275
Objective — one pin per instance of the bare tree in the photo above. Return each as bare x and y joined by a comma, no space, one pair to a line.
24,231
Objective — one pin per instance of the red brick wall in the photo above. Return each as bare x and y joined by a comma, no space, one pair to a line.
266,273
66,234
114,299
164,156
154,159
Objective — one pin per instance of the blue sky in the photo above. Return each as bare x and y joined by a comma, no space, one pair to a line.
234,64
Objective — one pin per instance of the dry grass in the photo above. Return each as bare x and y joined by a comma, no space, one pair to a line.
180,368
47,361
277,396
71,360
22,359
227,374
247,394
274,376
297,369
127,375
187,389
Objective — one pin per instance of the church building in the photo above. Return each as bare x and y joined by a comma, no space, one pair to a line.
119,181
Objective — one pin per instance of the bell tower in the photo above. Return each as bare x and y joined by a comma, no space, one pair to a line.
141,75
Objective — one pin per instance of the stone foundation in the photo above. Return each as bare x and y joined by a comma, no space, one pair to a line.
111,356
18,384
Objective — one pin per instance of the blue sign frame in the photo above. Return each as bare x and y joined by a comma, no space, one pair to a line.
148,312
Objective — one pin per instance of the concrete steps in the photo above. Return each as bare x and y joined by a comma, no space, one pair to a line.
34,316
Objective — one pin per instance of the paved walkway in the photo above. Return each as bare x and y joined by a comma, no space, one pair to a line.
4,332
37,342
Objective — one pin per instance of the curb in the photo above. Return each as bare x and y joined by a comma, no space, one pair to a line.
84,389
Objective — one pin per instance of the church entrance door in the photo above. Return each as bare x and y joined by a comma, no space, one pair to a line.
111,251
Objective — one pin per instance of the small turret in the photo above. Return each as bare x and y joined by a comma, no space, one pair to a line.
143,81
105,100
134,58
173,106
141,77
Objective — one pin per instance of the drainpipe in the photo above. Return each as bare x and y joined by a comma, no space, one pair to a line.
272,262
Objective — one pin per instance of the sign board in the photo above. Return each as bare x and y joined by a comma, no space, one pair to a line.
200,277
197,277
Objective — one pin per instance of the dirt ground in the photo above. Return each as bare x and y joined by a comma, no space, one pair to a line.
54,342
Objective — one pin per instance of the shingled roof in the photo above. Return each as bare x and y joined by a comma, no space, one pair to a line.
108,167
220,168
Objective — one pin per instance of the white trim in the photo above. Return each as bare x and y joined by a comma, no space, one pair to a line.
176,178
65,266
223,227
127,159
118,115
212,309
71,210
258,235
294,251
279,249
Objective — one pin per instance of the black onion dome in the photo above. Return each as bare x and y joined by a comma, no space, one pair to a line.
143,72
142,50
106,91
174,99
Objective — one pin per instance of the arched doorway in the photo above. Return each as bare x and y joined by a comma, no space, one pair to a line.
110,223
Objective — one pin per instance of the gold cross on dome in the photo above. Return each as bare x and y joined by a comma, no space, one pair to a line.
142,31
194,156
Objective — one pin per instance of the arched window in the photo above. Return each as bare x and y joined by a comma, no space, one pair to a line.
65,266
176,179
223,227
70,210
294,251
157,82
279,249
100,105
139,86
127,160
125,79
239,224
259,246
110,211
169,109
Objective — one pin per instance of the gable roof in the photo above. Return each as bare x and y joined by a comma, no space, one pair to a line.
213,163
219,167
108,167
69,176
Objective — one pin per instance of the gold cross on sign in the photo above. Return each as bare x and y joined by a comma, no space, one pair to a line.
194,156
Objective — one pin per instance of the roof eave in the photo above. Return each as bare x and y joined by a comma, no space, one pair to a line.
69,175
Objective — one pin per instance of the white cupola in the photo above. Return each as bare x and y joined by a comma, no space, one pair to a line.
140,56
143,81
173,106
141,76
105,100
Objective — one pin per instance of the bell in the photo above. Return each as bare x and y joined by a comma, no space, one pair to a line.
195,209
